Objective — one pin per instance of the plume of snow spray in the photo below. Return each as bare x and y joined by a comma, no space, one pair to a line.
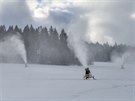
116,58
77,41
79,49
18,44
127,57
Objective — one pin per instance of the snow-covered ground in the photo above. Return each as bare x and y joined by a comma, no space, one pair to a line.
65,83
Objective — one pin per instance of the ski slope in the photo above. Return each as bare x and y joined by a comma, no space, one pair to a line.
65,83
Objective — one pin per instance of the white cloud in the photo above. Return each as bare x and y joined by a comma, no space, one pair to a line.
42,9
110,22
41,12
36,10
32,4
105,20
14,12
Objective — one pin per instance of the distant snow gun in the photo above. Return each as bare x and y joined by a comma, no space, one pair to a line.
88,74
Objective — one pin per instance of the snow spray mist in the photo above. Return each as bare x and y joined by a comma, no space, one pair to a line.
80,49
77,39
19,46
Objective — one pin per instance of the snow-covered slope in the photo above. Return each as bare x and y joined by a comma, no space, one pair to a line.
65,83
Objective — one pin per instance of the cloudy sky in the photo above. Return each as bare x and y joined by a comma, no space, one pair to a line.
93,20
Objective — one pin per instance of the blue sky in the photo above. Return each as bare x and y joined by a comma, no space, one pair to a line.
93,20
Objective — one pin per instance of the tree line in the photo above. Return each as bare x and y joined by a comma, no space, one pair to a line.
47,46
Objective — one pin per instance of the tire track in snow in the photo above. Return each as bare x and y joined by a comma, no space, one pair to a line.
100,88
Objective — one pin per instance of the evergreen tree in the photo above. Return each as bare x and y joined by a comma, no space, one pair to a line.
26,29
10,29
2,31
49,47
16,29
63,36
